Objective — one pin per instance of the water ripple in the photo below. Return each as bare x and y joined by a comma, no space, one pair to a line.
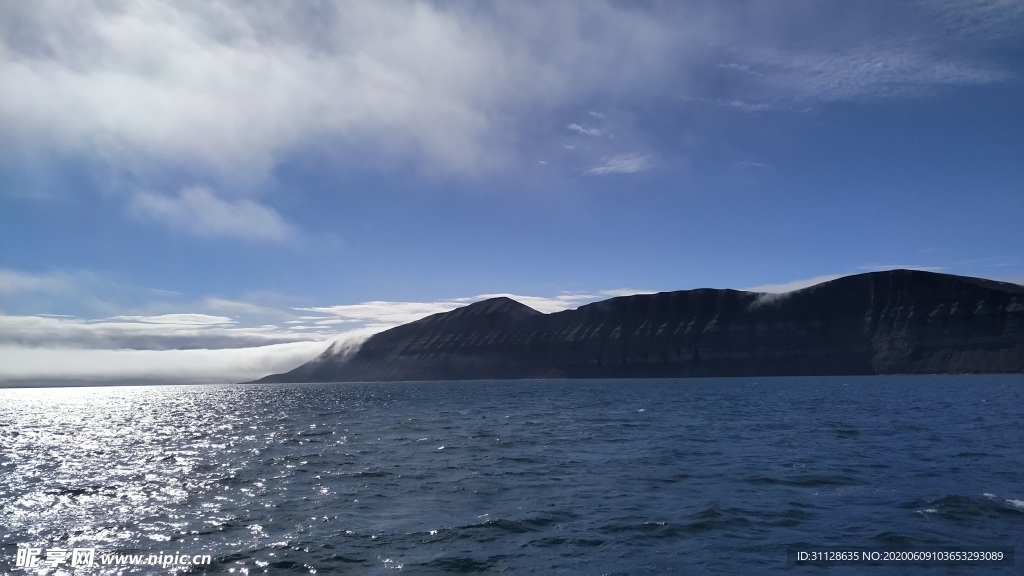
603,477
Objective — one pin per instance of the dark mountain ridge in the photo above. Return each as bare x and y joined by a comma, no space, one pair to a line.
894,322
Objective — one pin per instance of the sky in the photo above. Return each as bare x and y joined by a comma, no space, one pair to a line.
215,191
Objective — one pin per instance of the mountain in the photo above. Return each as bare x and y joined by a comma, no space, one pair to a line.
893,322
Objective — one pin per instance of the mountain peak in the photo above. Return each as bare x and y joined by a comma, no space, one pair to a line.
912,277
498,304
498,308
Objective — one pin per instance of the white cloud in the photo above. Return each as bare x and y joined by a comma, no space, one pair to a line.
227,89
621,164
770,293
179,319
187,331
735,66
242,307
220,340
198,211
183,347
224,92
383,313
593,132
22,363
793,284
205,348
747,106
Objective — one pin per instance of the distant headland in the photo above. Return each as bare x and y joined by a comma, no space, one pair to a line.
893,322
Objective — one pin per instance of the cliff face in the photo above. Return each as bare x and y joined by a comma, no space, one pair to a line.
895,322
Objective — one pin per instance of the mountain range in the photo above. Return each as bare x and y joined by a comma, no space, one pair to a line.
892,322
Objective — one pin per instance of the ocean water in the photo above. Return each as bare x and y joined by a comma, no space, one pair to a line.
527,477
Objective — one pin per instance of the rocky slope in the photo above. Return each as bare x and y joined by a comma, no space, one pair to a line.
894,322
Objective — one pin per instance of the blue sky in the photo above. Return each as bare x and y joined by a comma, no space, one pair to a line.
205,191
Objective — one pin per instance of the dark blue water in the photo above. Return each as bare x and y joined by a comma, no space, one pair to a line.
549,477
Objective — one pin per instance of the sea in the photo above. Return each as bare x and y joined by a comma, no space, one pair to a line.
688,476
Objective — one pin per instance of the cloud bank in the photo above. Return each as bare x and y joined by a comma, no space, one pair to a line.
53,365
166,332
185,347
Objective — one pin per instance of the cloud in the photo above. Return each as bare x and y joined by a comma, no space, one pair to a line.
738,67
177,346
986,19
227,90
383,314
792,284
224,93
863,73
198,211
770,293
745,106
242,307
621,164
197,347
166,332
209,339
593,132
908,51
179,319
44,365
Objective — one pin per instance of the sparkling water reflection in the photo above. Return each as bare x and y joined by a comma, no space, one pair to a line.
690,476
